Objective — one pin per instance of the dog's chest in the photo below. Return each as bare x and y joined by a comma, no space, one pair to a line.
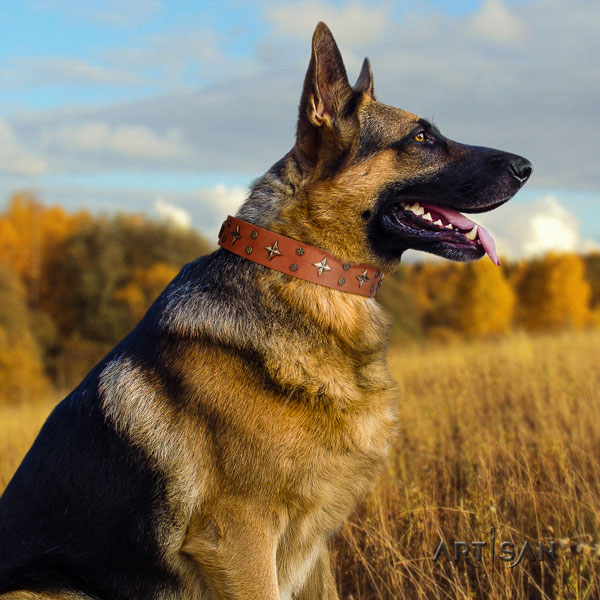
326,467
323,492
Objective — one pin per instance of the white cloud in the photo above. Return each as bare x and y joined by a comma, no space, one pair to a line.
209,206
132,141
354,23
226,199
174,56
172,214
553,228
538,98
496,23
522,98
524,231
15,158
47,71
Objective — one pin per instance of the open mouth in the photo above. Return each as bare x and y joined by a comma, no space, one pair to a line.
441,225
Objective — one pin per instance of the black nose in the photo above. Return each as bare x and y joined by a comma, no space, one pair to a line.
520,168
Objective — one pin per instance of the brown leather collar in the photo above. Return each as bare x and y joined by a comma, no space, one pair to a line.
297,259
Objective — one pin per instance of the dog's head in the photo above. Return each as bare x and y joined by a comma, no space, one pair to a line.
378,180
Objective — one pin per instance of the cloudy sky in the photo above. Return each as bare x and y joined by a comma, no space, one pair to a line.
173,108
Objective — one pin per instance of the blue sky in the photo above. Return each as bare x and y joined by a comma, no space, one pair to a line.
172,108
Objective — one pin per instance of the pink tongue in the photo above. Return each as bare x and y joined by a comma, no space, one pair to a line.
487,241
460,221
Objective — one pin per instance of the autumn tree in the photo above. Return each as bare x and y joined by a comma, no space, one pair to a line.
554,293
592,268
434,286
104,256
485,300
85,279
397,298
31,235
143,288
21,371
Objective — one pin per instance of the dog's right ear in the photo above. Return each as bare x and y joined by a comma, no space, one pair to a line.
364,83
325,98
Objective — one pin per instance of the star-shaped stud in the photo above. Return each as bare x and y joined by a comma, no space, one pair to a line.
235,235
362,278
273,250
322,266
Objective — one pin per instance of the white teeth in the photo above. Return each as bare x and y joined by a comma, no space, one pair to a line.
471,235
427,217
449,226
416,208
439,223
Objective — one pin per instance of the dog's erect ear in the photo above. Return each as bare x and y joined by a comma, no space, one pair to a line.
325,96
364,83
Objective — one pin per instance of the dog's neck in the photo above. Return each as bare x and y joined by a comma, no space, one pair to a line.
349,321
297,259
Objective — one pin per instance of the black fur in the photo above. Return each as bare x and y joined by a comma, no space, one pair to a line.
82,510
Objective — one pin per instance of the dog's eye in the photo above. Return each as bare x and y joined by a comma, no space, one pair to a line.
420,137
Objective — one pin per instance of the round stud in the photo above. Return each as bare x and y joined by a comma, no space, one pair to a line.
254,235
347,266
248,249
293,267
223,239
300,251
341,281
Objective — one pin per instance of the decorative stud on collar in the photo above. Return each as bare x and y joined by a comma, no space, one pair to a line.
235,235
322,266
273,250
294,258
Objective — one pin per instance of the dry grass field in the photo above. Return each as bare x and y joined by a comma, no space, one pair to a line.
502,433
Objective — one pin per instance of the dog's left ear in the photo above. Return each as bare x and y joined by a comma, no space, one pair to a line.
364,83
326,98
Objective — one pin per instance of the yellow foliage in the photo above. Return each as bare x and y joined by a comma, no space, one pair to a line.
485,300
433,287
22,375
555,293
31,234
144,287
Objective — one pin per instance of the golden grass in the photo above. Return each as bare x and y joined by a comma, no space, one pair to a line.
19,426
503,433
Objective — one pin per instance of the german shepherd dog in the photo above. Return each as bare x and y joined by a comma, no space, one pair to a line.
213,452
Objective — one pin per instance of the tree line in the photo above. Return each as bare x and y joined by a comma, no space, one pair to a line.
73,284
